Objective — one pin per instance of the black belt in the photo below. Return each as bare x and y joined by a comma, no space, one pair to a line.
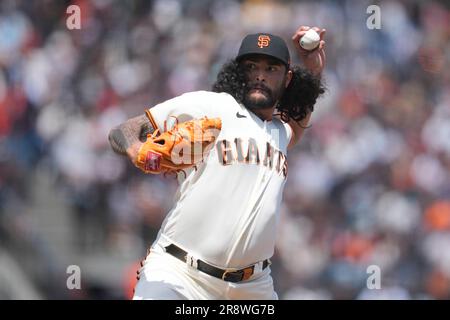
226,275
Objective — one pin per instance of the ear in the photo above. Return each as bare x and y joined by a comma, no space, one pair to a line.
289,75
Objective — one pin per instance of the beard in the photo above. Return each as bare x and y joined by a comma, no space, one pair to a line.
262,97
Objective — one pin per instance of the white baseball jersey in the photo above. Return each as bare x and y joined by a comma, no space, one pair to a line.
226,209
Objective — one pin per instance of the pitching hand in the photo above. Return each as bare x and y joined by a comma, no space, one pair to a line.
313,60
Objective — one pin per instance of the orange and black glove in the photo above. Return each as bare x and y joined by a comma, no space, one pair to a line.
179,148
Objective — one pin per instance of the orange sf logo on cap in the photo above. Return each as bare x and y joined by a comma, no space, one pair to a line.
263,41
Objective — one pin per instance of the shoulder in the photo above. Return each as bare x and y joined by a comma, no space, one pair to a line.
284,128
213,101
208,95
281,124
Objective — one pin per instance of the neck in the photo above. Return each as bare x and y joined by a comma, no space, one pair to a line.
264,114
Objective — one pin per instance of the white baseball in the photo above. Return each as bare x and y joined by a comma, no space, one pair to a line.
310,40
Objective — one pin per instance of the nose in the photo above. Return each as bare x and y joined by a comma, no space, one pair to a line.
260,77
258,74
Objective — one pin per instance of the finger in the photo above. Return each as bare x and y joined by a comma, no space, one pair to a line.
322,34
296,38
298,35
321,45
322,57
303,28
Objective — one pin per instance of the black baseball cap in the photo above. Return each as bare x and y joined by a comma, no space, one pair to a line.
266,44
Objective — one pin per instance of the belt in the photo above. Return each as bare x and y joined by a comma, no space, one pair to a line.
230,275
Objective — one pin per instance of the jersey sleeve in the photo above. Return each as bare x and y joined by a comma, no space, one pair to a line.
188,106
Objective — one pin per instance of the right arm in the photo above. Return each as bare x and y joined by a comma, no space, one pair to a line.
127,138
297,129
314,60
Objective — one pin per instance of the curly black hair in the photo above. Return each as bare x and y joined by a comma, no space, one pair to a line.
297,101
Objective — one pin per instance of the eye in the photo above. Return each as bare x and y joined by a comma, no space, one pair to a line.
272,68
250,66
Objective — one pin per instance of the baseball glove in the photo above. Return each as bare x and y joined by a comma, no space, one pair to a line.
182,147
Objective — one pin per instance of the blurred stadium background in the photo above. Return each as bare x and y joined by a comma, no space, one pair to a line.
369,185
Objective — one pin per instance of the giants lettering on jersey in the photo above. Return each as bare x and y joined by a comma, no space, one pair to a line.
239,152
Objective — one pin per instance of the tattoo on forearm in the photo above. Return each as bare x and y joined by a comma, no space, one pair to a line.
146,129
129,132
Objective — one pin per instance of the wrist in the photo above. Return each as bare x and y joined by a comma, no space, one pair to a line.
133,151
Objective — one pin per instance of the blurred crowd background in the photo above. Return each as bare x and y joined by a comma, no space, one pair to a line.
368,185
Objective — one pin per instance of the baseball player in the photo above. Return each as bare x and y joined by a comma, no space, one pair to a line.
217,240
